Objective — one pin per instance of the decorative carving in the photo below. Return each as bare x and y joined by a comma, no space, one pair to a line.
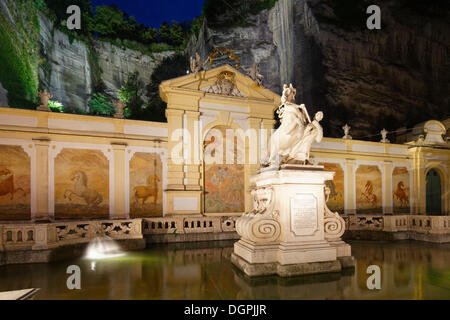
225,85
222,51
334,224
45,98
261,224
346,129
292,141
262,199
197,64
384,133
255,74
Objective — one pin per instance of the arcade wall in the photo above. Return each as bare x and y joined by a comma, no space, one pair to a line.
62,167
71,167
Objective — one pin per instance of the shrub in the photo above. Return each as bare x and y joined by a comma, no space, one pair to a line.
99,104
55,106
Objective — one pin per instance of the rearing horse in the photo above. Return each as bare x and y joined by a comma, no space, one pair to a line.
402,194
80,189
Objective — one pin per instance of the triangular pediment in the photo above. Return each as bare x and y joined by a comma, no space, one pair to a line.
223,81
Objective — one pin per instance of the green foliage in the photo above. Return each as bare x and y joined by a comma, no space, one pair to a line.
173,35
130,94
221,13
19,54
169,68
55,106
197,24
99,104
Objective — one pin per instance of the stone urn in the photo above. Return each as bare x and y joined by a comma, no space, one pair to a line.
45,98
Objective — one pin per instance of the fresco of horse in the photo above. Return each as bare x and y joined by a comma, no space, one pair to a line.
368,189
336,186
402,194
80,189
15,183
401,190
146,189
81,184
7,183
150,191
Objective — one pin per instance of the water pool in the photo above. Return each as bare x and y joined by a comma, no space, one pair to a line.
409,270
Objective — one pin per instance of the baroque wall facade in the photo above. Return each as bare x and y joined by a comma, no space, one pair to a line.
62,166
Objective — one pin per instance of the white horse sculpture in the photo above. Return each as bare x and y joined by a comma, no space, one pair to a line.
80,189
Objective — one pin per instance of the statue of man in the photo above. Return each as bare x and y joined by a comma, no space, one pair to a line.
313,132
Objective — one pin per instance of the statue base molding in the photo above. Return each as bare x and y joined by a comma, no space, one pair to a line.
43,108
290,230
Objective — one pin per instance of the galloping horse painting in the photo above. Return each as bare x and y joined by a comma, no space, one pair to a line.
146,190
401,189
15,183
336,200
368,189
81,184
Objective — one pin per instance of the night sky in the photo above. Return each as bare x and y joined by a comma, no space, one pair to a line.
154,12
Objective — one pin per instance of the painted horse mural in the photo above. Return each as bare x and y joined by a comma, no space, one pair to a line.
149,191
333,193
81,190
402,194
7,183
367,195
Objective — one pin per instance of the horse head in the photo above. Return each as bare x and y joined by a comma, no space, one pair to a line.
400,185
79,176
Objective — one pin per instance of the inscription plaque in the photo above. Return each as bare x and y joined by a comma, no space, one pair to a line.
304,218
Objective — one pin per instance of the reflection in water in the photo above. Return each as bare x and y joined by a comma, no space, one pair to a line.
409,270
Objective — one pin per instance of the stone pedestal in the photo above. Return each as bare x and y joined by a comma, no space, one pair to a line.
43,108
290,230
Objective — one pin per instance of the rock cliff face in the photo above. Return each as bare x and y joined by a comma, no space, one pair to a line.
117,63
66,71
69,66
392,77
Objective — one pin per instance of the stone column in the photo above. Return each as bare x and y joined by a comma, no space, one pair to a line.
42,187
350,196
388,207
175,175
193,173
119,181
419,182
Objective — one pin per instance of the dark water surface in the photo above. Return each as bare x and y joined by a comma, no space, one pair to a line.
409,270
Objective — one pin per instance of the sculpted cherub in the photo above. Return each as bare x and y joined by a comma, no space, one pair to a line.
255,74
196,64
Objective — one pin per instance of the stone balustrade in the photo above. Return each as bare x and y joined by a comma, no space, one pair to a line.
411,224
185,225
16,237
